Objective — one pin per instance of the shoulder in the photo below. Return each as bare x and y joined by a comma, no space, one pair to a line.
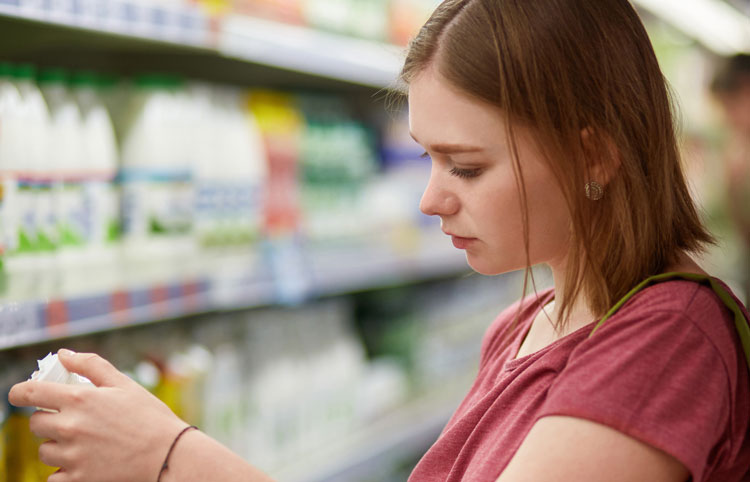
639,374
680,305
675,314
677,295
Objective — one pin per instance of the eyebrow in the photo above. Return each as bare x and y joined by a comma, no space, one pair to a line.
450,148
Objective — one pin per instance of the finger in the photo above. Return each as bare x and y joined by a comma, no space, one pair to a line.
51,453
92,366
42,424
38,394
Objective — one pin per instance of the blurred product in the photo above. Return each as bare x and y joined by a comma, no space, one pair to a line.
67,179
229,188
23,453
4,412
392,21
281,125
156,175
406,17
100,213
289,11
337,161
10,118
32,197
358,18
115,184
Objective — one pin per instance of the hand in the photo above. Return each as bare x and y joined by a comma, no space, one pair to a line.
114,432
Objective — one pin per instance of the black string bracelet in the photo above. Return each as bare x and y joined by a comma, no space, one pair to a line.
165,466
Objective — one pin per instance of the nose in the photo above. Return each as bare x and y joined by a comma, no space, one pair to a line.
437,200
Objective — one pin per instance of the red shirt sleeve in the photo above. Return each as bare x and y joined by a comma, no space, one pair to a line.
653,375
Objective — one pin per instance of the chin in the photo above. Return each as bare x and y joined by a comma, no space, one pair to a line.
488,267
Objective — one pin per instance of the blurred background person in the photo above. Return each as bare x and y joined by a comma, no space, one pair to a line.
731,86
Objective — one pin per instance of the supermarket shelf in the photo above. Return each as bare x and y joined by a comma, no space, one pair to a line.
28,323
718,25
306,50
252,284
183,25
404,434
129,36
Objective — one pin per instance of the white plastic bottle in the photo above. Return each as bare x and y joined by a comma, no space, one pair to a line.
10,105
100,199
207,133
243,170
246,171
183,248
32,268
230,176
144,148
65,169
156,181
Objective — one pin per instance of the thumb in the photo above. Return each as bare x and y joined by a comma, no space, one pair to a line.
92,366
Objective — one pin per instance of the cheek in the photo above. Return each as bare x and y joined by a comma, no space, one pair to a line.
549,223
496,213
499,203
500,226
548,220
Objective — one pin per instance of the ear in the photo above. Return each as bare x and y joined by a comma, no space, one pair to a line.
602,155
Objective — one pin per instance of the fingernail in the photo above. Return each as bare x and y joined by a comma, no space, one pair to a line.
66,352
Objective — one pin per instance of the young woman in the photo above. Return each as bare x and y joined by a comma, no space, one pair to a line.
552,142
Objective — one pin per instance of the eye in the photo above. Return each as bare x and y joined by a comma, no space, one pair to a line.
465,173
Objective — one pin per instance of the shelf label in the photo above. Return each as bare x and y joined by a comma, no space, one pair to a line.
57,318
19,322
190,295
159,296
120,303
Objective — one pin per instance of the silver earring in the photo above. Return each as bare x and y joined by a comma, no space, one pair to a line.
594,190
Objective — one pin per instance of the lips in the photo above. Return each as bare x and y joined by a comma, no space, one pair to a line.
460,242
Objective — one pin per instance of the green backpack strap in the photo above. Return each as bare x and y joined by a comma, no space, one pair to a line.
741,321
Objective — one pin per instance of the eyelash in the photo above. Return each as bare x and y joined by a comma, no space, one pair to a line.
462,173
465,173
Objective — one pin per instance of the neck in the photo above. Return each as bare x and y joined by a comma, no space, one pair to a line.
579,314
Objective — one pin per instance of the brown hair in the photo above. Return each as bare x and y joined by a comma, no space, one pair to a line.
562,68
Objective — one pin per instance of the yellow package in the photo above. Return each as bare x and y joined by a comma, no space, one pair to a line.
3,443
22,450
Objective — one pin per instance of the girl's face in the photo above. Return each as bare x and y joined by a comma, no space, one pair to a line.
472,186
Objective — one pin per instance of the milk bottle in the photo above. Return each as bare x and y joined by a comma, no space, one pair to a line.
31,268
65,174
156,180
100,164
10,105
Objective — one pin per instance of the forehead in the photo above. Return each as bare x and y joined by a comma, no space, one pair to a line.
440,113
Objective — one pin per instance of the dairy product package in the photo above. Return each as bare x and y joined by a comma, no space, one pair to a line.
51,370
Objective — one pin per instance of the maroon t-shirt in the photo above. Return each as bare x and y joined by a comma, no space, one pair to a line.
667,369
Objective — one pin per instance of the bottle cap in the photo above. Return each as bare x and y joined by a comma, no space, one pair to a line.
24,71
52,76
